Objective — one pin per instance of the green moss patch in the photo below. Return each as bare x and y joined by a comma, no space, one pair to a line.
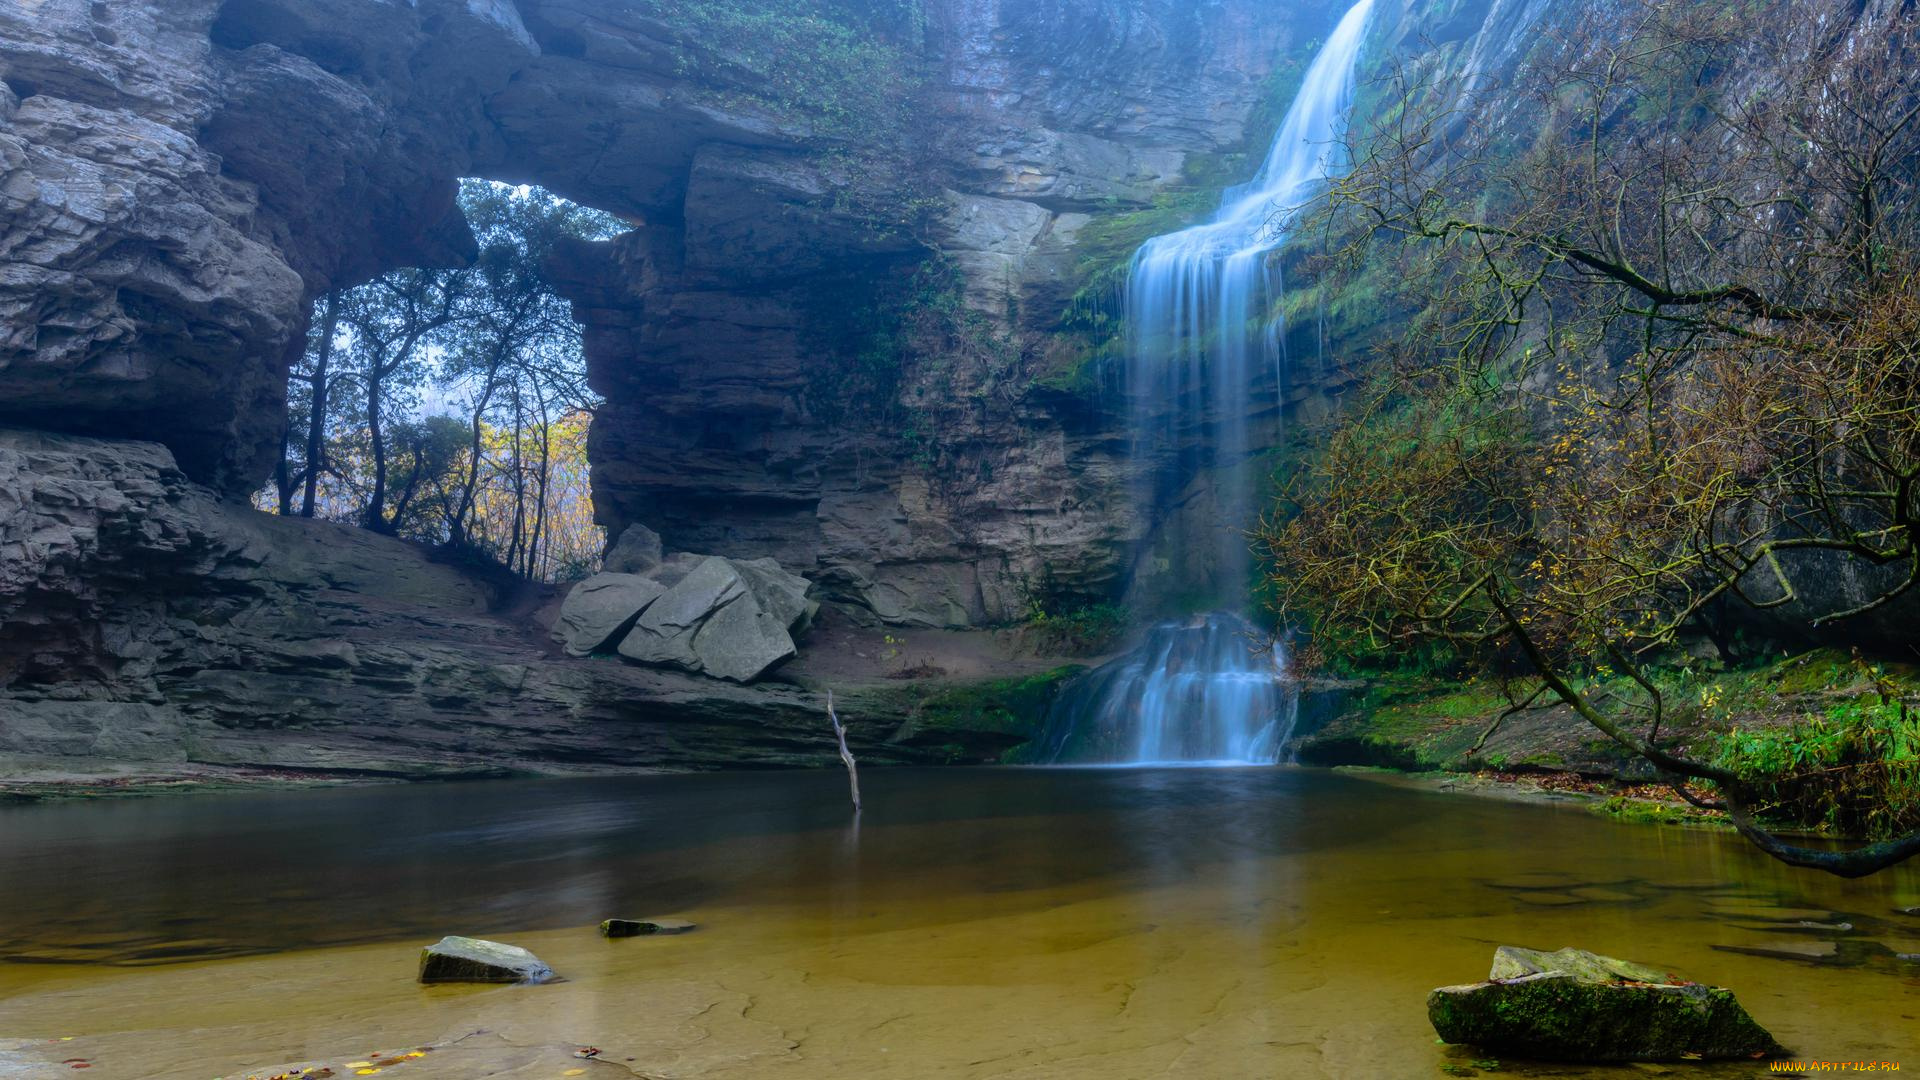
988,720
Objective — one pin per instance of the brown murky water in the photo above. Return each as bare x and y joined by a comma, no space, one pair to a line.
1006,923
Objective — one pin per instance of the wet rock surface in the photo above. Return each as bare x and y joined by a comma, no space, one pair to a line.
624,928
1573,1005
465,959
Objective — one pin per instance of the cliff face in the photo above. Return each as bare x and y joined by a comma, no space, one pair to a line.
955,488
824,340
146,625
847,329
180,183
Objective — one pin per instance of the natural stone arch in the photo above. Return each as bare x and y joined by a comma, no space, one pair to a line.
227,160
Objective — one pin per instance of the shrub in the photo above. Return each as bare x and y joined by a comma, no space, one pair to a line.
1854,771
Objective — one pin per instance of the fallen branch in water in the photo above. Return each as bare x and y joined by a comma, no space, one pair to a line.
846,755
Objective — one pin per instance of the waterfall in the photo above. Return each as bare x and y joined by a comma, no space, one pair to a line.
1198,299
1199,305
1201,690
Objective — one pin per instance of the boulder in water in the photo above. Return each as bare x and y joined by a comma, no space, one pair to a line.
616,928
465,959
1574,1005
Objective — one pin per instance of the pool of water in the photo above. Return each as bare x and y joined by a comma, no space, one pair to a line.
971,923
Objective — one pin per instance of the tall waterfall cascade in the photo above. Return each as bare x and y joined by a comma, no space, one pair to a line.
1198,313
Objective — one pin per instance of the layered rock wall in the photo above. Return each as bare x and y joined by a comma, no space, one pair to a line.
147,625
181,180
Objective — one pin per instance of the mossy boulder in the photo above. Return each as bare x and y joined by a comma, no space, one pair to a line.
465,959
1574,1005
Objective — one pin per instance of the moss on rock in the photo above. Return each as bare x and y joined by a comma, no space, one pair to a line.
987,720
1574,1005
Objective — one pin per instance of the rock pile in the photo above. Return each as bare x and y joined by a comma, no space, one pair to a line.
729,618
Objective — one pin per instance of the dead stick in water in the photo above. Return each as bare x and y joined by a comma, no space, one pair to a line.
846,755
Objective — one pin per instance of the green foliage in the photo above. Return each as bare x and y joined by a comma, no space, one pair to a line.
911,356
847,71
1411,492
1013,706
1080,373
909,323
1425,659
1644,812
1107,243
840,67
1833,742
1854,771
443,404
1083,630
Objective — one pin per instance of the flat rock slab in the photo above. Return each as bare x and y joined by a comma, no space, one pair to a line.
465,959
1514,962
1574,1005
1802,927
616,928
740,641
599,610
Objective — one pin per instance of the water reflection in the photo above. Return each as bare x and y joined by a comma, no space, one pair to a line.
1244,922
117,882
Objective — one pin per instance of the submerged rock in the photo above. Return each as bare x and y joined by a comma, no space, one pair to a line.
617,928
1811,951
1574,1005
465,959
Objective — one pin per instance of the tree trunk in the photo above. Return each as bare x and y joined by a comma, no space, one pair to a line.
376,515
283,481
471,489
317,423
377,373
515,548
541,481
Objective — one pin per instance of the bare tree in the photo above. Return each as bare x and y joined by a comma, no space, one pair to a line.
846,755
1663,360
